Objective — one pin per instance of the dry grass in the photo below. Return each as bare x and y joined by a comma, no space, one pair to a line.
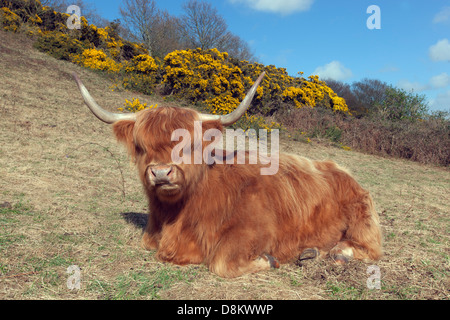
69,196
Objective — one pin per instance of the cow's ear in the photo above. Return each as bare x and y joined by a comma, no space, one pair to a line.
124,133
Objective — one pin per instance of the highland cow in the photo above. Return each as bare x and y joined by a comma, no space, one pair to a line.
229,216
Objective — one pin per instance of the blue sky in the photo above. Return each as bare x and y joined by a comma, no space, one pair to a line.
331,39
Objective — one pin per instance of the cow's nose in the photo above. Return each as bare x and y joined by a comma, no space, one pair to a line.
161,174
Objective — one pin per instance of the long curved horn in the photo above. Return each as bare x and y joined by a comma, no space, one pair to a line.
231,118
98,111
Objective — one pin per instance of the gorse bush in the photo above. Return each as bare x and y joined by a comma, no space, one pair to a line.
220,83
97,60
9,20
16,13
313,92
142,64
142,74
200,75
60,45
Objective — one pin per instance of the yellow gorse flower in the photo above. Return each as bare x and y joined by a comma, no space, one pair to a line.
311,92
98,60
136,105
211,77
11,21
142,64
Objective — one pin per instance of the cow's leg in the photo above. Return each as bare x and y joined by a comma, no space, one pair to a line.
179,247
180,254
172,244
149,241
241,251
228,268
308,254
342,252
362,239
347,250
151,236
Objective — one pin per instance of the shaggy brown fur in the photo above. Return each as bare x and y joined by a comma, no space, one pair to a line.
237,221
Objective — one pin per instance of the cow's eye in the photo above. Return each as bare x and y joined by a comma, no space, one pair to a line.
139,150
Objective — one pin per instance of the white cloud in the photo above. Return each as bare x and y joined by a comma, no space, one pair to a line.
440,81
389,68
441,102
333,70
442,16
440,51
437,82
278,6
411,86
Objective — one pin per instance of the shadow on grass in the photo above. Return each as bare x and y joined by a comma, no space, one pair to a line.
139,220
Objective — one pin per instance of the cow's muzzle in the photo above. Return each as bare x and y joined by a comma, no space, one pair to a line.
161,174
166,181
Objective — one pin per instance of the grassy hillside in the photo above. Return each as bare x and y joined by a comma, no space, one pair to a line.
69,196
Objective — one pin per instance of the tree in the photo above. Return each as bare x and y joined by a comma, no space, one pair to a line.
236,47
167,35
156,29
202,26
58,5
139,17
370,93
362,97
401,105
374,97
345,91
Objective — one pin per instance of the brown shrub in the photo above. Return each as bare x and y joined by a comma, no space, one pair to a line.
424,141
